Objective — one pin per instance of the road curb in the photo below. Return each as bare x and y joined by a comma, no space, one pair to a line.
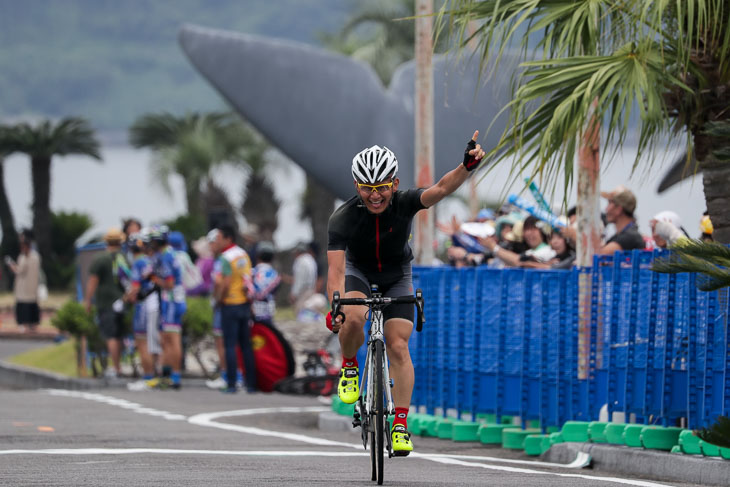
645,463
20,377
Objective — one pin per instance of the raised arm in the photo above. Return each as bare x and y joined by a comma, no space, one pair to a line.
451,181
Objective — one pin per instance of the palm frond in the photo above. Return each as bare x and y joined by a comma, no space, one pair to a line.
710,260
718,434
70,135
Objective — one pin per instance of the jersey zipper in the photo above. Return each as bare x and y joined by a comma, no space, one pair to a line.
377,243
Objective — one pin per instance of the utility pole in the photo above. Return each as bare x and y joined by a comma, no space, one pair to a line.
423,165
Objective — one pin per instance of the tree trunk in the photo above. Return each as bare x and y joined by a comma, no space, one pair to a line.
9,245
193,198
41,175
317,206
716,179
260,206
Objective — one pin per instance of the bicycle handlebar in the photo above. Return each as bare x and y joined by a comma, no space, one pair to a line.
337,302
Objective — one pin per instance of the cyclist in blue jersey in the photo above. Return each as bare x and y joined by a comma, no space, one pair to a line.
168,276
142,289
368,244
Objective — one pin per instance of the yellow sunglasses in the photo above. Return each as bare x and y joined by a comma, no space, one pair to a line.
377,188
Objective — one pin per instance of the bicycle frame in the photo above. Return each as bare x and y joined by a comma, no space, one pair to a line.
376,334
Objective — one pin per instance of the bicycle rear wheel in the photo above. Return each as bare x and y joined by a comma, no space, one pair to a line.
379,410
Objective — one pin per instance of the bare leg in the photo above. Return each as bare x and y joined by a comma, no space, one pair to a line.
351,333
397,333
172,350
114,346
148,366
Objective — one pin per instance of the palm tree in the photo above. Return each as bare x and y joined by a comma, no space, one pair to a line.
667,62
189,146
9,244
259,206
71,135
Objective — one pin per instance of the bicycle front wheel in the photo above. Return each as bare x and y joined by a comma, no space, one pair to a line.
379,410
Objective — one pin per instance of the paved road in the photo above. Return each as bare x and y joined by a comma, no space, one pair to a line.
200,437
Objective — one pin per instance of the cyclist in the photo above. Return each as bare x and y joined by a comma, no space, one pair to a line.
368,244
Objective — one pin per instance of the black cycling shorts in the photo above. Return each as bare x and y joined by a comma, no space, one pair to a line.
355,280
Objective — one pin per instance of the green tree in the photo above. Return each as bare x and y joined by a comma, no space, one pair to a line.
66,228
260,205
10,244
663,62
71,135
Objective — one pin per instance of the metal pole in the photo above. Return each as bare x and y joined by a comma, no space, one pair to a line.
424,165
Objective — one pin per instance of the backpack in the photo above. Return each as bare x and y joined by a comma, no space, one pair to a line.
191,277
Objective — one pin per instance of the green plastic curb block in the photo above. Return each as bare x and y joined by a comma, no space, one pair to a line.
725,453
414,424
676,449
658,438
546,443
336,403
433,427
689,443
428,424
556,438
533,423
709,450
597,431
507,420
534,444
514,438
491,434
486,418
465,431
552,429
615,433
347,409
632,434
575,431
443,428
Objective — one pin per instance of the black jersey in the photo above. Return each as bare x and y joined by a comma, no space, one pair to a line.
376,244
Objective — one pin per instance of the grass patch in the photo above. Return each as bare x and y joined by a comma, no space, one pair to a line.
59,358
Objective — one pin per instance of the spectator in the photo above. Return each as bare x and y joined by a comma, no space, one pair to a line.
233,292
620,212
106,286
666,229
564,258
304,276
265,283
27,279
538,250
204,262
130,226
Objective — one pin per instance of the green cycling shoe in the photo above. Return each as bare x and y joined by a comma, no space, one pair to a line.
348,389
402,445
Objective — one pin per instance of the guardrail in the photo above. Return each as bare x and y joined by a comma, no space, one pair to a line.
520,342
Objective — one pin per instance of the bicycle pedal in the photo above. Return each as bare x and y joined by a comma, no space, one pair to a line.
401,453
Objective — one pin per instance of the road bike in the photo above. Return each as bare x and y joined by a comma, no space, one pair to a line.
376,401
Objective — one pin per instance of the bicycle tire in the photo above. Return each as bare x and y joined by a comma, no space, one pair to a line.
379,409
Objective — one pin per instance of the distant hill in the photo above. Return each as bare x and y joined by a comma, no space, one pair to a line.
113,60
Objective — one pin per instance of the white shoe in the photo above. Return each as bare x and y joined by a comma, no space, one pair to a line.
110,373
139,385
218,383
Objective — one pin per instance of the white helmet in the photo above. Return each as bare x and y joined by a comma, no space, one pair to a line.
375,164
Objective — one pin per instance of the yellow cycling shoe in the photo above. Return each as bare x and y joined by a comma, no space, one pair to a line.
402,445
347,388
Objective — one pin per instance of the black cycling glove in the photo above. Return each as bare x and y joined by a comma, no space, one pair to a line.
470,162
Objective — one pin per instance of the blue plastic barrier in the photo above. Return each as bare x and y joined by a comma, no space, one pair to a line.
524,342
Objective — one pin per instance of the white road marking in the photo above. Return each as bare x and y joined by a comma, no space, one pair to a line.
170,451
207,420
581,460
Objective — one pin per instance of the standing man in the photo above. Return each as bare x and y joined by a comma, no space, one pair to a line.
108,275
368,244
27,278
304,278
620,212
232,291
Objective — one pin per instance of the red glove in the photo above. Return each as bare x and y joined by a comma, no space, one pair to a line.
328,320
